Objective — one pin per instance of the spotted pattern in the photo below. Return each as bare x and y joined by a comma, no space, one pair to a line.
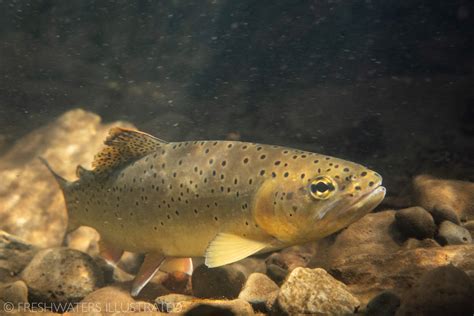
175,197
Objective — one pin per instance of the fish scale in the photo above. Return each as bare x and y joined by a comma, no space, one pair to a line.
223,200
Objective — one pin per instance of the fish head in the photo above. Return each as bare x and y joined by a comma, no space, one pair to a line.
316,202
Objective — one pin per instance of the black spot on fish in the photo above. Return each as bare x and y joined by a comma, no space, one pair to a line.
286,174
277,162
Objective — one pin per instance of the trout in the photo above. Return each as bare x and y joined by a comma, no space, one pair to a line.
221,200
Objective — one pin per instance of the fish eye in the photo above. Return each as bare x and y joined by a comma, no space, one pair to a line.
322,188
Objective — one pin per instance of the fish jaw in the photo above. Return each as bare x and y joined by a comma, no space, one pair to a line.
345,213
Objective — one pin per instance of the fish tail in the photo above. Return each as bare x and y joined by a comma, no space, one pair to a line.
64,184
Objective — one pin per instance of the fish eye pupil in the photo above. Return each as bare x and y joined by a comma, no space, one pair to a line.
319,187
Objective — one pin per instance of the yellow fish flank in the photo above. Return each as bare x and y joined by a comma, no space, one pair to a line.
222,200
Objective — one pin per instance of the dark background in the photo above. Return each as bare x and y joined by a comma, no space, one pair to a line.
386,83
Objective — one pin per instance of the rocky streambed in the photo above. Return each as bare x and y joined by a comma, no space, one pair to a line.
413,259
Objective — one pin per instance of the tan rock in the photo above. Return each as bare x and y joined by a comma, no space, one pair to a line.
366,275
432,193
214,307
112,299
260,291
314,291
15,294
373,234
85,239
31,204
166,303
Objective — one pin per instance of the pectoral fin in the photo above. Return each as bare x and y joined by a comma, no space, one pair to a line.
227,248
149,267
184,265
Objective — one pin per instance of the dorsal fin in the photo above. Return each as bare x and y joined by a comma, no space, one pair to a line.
122,146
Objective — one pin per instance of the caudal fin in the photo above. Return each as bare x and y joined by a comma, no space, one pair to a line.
64,184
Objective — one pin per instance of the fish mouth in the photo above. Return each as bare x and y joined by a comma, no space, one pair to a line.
368,201
349,210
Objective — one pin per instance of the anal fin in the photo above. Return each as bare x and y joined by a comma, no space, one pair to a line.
149,267
227,248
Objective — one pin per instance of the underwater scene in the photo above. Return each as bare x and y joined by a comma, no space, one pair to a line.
237,157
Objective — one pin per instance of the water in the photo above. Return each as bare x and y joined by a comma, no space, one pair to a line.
385,84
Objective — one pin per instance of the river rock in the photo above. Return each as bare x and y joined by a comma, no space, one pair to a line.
366,275
384,304
314,291
221,282
452,234
13,293
374,234
31,203
415,222
279,264
260,291
112,299
412,243
441,214
225,281
15,254
59,275
168,303
445,290
214,307
469,225
452,195
85,239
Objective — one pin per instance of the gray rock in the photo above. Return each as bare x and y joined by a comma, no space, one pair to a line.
441,214
384,304
314,291
221,282
15,254
13,293
260,291
452,234
445,290
469,225
279,264
276,273
61,275
415,222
